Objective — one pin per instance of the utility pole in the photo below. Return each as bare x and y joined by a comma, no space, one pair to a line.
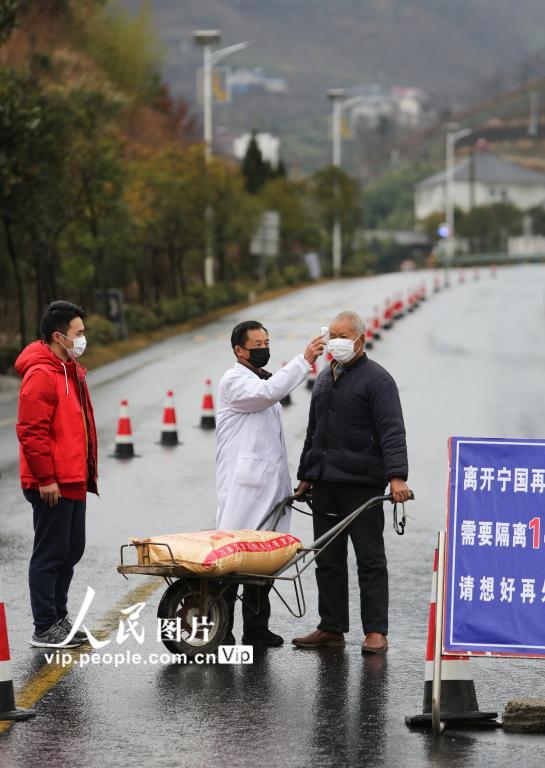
206,38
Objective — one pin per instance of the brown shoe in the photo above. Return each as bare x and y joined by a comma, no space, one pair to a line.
375,642
319,639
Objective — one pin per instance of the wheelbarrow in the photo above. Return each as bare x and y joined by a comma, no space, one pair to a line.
195,599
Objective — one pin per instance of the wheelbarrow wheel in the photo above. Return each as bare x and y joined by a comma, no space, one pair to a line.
194,630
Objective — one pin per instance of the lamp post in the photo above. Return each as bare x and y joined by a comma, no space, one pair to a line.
339,103
335,95
206,38
453,135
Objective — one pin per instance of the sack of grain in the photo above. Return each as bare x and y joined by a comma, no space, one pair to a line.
217,552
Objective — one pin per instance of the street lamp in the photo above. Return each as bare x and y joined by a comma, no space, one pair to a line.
453,135
206,38
338,103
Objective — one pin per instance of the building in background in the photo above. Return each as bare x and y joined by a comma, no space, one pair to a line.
244,80
481,179
406,108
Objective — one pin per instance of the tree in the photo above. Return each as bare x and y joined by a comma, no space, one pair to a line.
235,217
20,123
488,227
126,49
8,18
299,229
337,198
256,170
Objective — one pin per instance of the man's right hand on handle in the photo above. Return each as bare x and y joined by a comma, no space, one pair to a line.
50,494
314,349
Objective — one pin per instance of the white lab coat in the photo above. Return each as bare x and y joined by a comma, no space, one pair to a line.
251,462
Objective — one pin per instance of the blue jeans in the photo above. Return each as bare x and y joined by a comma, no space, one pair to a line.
59,543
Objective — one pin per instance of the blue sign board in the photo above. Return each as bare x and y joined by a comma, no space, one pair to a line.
495,569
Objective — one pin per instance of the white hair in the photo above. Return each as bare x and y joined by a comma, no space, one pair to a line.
357,323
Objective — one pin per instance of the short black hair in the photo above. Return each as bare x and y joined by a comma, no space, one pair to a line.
57,317
239,336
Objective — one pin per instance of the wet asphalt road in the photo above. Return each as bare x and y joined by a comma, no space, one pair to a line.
470,361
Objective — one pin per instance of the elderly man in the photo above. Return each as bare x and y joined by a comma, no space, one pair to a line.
355,445
251,466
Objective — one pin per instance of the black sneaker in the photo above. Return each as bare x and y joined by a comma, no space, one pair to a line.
264,638
80,637
53,637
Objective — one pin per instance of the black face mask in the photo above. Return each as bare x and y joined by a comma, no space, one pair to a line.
259,357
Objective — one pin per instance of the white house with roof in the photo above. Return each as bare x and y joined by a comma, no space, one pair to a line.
481,179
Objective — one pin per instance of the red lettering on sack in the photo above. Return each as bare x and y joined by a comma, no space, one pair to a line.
249,546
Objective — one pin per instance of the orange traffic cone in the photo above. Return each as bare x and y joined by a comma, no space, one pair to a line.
8,710
459,705
312,374
208,415
124,446
286,400
169,429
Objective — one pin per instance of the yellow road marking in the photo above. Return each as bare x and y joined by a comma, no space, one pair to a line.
51,674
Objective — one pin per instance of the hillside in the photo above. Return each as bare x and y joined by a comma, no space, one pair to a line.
453,50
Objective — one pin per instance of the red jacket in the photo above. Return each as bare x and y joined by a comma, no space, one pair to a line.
56,426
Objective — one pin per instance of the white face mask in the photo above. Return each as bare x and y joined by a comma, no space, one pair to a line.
342,349
79,346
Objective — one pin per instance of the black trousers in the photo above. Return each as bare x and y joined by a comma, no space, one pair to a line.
366,534
59,543
256,607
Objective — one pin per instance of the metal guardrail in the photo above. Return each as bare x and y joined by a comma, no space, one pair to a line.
484,259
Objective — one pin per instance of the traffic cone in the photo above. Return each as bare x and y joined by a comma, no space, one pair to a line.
369,337
124,446
376,324
311,378
8,709
399,308
169,429
388,316
208,416
459,705
286,400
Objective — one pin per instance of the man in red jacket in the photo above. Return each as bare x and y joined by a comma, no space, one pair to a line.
58,459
